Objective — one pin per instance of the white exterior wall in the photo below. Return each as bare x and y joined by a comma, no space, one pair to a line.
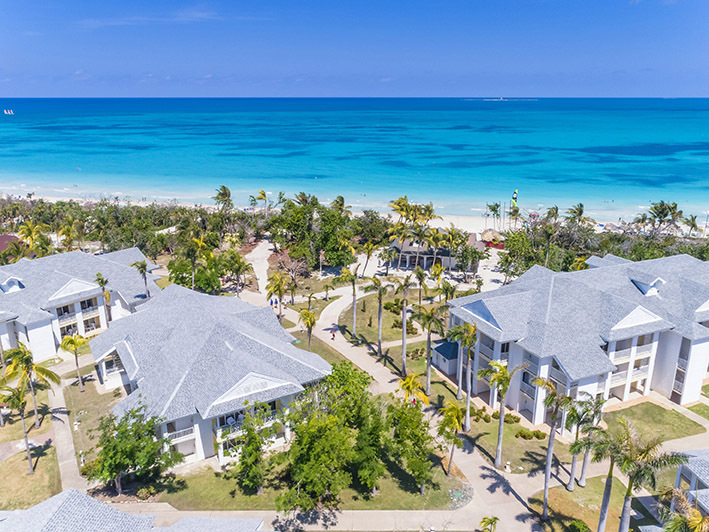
514,398
7,335
119,308
696,371
666,362
204,437
539,412
41,340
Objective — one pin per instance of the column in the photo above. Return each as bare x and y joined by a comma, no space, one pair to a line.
607,387
496,355
459,373
539,414
408,257
79,319
651,364
286,426
631,363
567,391
476,365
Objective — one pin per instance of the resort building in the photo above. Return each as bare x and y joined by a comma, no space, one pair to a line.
73,511
199,362
693,478
42,300
616,330
415,253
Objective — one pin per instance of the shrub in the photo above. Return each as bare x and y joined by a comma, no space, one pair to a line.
145,493
510,418
395,307
539,434
525,434
364,306
369,323
89,467
578,526
495,415
487,418
410,328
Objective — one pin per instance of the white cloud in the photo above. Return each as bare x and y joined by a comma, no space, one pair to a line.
182,16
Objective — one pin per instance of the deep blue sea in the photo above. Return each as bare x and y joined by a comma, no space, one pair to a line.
615,155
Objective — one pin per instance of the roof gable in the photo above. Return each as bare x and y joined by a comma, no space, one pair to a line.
73,287
251,383
639,316
480,310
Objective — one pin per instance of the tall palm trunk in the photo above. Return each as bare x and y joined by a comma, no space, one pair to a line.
469,384
450,460
572,476
354,311
119,487
34,403
27,443
547,469
398,267
500,434
605,504
78,372
459,373
379,334
625,515
403,336
584,468
365,266
428,363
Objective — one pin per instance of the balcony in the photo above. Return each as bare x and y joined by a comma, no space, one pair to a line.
682,363
179,434
226,431
67,318
619,378
527,389
557,375
486,351
640,373
678,386
643,351
90,312
622,356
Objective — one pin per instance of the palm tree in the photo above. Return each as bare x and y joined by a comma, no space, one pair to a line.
388,255
500,379
581,415
402,287
142,268
381,289
15,399
369,248
399,232
307,318
327,289
467,336
21,366
223,198
347,276
411,386
421,279
73,344
236,266
642,220
682,515
262,196
103,283
557,402
641,461
691,222
451,425
430,320
276,286
553,213
30,232
419,234
489,524
434,241
437,273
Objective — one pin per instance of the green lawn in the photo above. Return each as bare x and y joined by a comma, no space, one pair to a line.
415,359
18,489
650,419
705,390
209,490
701,409
163,282
87,407
317,305
13,426
584,504
287,324
367,310
322,348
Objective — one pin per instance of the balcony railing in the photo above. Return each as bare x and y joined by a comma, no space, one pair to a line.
678,386
644,350
622,355
67,318
527,389
619,378
557,375
235,427
640,373
486,351
682,363
179,433
89,312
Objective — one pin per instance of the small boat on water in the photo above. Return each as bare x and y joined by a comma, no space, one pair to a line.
8,111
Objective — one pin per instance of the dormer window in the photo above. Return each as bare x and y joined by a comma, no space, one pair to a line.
649,288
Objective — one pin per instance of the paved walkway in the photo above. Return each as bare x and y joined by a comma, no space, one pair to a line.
64,443
11,448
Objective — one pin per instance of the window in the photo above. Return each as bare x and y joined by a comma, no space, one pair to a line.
233,418
92,324
88,304
505,348
63,311
68,330
113,363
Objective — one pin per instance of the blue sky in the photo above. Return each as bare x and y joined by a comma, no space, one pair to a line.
363,48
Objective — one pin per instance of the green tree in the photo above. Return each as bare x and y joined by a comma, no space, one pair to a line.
103,283
500,378
466,335
402,287
142,268
449,427
369,248
15,399
412,441
388,256
31,232
347,276
421,279
489,524
369,448
430,320
380,289
72,344
307,318
680,515
641,460
236,266
556,402
412,389
21,366
128,444
252,465
276,286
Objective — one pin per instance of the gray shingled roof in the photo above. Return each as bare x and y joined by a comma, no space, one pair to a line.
571,315
190,349
45,277
73,511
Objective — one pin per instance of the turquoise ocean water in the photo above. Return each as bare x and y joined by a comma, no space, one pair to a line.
615,155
